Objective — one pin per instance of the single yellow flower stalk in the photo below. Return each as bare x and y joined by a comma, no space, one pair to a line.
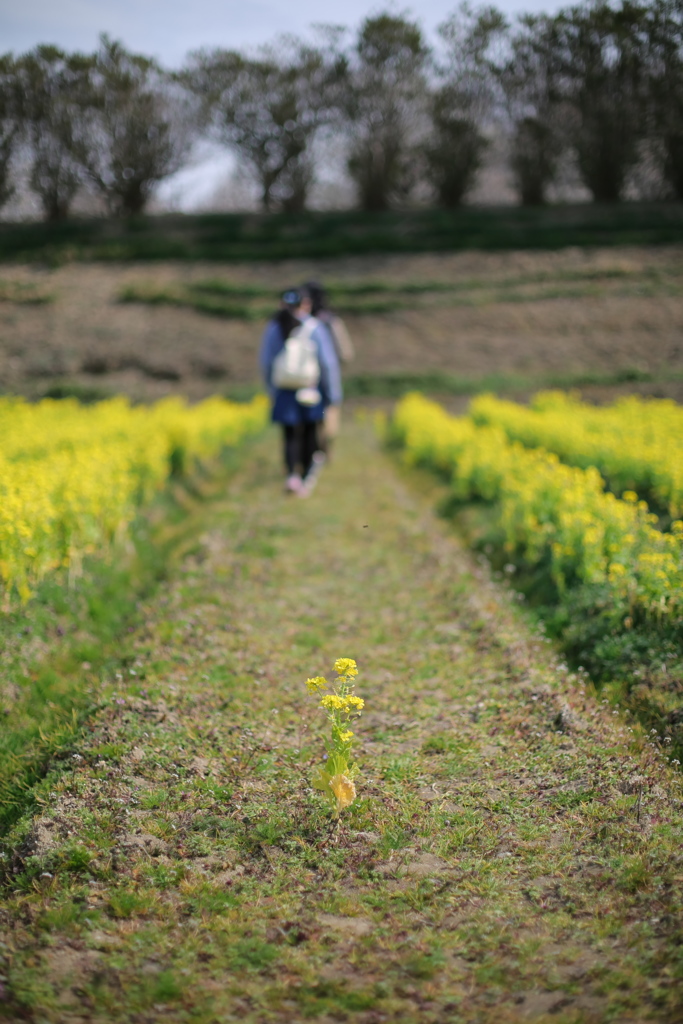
336,779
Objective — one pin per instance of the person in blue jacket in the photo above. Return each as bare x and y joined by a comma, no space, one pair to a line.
300,422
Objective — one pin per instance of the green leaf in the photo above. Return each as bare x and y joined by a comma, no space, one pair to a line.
321,781
336,764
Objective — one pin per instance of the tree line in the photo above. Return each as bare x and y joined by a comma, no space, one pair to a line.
598,85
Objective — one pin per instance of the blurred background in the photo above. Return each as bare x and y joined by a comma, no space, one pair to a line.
493,195
221,107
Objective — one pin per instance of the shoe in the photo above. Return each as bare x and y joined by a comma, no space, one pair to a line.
311,478
293,484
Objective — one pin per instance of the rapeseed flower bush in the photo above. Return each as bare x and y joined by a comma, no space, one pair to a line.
549,508
72,477
636,444
336,779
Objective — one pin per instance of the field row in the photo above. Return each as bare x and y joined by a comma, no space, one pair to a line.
234,300
73,478
637,444
553,511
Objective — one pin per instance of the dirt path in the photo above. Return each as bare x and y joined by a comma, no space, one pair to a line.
509,858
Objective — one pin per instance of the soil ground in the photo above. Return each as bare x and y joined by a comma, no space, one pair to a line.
600,322
514,853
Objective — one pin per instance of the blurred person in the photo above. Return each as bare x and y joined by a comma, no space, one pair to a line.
301,370
341,339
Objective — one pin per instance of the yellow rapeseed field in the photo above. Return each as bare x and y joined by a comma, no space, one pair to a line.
73,477
637,444
546,506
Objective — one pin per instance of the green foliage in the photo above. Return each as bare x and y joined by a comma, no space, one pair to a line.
86,394
125,903
637,661
251,954
315,235
395,385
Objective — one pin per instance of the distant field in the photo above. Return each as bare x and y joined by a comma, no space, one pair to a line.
323,235
602,319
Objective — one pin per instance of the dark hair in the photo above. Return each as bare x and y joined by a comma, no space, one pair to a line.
317,295
286,321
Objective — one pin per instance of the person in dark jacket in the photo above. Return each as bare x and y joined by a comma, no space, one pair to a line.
300,420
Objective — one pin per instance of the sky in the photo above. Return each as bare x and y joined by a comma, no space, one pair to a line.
168,29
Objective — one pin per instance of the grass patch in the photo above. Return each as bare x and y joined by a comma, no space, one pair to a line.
637,662
234,237
378,298
22,294
394,385
80,636
87,394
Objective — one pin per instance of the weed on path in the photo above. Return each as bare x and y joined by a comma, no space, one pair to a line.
514,852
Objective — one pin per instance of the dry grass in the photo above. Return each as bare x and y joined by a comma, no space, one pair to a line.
593,310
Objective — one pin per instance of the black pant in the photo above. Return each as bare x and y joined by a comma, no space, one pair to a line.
301,442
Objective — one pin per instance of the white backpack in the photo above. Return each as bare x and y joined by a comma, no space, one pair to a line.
296,365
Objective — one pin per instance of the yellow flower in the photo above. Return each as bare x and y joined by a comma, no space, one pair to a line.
316,683
354,702
72,477
332,702
345,667
345,736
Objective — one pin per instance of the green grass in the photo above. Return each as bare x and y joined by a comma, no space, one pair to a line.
87,394
311,235
635,661
229,300
181,868
23,294
438,383
80,636
393,385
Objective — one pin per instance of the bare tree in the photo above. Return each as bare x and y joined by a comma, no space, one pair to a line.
383,104
10,125
530,79
52,89
603,52
462,103
138,130
665,73
268,109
